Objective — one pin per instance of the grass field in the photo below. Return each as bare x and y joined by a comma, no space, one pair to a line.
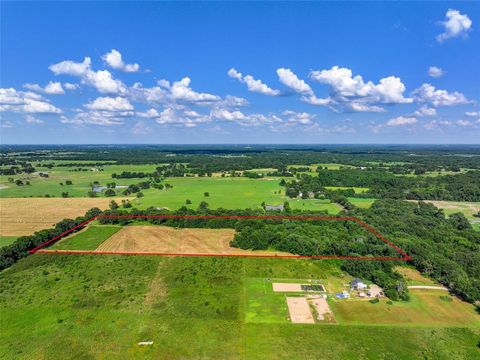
363,203
23,216
229,193
87,239
107,310
425,308
413,276
7,240
100,306
40,186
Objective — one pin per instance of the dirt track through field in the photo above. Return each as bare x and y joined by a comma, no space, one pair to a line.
168,240
24,216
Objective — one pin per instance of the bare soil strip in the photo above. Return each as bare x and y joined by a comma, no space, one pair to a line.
299,310
24,216
168,240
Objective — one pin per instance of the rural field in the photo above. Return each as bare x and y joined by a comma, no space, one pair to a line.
101,306
155,239
23,216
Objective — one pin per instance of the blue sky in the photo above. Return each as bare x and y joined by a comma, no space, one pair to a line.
327,72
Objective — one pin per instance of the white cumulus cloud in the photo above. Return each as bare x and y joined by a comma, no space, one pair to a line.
25,102
52,88
427,93
402,120
455,25
253,84
115,61
354,94
110,104
102,80
435,72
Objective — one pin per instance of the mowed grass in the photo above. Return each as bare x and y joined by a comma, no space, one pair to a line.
426,307
7,240
88,239
363,203
101,306
228,193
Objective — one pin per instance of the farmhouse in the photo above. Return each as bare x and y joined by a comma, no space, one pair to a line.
274,207
357,284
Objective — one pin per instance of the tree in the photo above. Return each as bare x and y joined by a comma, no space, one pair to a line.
206,194
286,206
110,192
92,194
126,204
203,206
65,194
18,182
68,182
459,221
113,205
188,201
140,194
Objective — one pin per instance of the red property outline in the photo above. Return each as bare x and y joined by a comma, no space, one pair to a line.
405,256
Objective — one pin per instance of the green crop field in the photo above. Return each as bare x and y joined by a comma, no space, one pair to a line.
88,239
100,306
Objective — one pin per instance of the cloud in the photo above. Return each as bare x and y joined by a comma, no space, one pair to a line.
176,116
435,72
29,119
6,124
225,114
464,123
425,110
140,128
289,79
295,118
25,102
455,25
102,80
352,93
115,61
253,84
110,104
401,121
428,94
52,88
472,113
70,86
96,117
178,92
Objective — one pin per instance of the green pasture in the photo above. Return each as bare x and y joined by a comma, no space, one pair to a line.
7,240
363,203
87,239
228,193
101,306
40,186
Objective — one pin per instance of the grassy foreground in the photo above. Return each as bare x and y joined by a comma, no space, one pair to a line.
91,307
89,239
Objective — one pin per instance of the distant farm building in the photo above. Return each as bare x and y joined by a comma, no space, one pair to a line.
274,207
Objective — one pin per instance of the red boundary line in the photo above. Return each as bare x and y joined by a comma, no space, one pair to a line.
405,256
